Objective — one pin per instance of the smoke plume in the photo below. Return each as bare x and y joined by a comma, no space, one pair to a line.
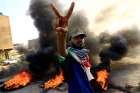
118,49
132,36
44,19
44,61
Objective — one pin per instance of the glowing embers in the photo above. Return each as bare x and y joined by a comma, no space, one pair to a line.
54,82
102,78
19,80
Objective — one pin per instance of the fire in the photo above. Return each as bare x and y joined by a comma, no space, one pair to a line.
19,80
102,78
56,81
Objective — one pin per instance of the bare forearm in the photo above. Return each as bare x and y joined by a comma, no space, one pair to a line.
61,43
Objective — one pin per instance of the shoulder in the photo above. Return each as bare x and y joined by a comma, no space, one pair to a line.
60,58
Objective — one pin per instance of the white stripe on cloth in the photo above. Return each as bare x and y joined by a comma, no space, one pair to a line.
86,69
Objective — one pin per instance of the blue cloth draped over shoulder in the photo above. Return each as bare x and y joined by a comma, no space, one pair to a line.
78,83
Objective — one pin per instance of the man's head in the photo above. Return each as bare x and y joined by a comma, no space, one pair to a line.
78,40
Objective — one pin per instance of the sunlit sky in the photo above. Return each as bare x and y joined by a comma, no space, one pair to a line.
22,27
114,15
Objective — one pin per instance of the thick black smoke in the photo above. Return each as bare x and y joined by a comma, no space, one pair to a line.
117,45
118,49
44,20
132,36
43,65
104,38
44,61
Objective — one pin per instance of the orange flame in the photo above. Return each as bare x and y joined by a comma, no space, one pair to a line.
56,81
19,80
102,77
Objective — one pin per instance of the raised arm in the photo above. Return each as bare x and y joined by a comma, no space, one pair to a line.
62,29
61,40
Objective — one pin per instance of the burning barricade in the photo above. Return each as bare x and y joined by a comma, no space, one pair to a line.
44,64
19,80
48,70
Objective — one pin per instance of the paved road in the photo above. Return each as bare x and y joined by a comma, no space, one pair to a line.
34,88
126,71
122,73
